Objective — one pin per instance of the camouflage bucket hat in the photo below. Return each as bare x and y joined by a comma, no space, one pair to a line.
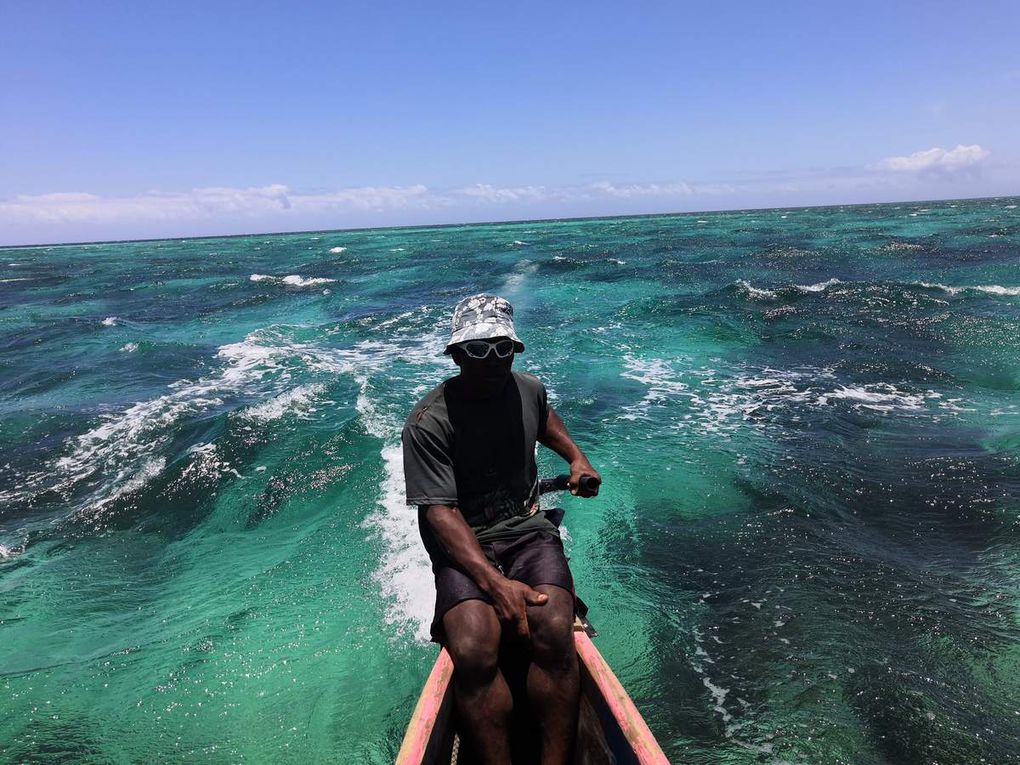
482,317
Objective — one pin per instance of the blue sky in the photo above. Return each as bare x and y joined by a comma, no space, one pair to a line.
121,120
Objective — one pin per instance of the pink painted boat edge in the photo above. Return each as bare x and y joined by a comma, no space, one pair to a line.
426,712
620,705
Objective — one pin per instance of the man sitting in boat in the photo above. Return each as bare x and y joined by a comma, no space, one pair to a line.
500,571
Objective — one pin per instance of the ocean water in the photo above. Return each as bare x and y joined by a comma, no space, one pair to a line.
805,550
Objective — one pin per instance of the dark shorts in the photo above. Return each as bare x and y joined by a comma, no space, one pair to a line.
534,558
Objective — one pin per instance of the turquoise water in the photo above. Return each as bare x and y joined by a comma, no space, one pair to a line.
805,549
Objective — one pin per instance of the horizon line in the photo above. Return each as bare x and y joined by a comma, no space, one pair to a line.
498,222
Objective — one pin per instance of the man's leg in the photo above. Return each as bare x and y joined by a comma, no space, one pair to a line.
483,697
553,679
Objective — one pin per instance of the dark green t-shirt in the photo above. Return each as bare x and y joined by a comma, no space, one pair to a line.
479,455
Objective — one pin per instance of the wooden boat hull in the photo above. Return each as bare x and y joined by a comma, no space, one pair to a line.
610,729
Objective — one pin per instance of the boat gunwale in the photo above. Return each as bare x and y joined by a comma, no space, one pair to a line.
430,716
427,735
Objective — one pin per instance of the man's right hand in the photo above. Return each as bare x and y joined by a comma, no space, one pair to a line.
511,599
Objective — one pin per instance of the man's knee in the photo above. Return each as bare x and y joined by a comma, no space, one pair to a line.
552,627
472,637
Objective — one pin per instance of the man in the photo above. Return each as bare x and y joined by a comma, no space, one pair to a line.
469,464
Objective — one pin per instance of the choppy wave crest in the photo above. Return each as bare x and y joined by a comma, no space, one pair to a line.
724,403
125,450
752,292
293,280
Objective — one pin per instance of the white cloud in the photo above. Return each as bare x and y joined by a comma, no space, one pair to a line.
368,198
963,160
276,201
490,193
632,190
149,206
203,204
80,216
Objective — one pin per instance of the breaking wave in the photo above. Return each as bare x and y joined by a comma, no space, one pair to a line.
720,403
760,293
291,281
988,289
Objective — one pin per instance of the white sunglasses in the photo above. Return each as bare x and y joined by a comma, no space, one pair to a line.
480,349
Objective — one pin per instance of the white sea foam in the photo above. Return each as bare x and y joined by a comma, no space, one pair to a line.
995,289
717,692
881,397
820,287
990,289
702,400
126,481
206,463
516,280
291,281
656,374
19,279
394,320
404,574
109,321
758,293
297,399
754,292
719,696
8,552
337,250
122,449
943,287
129,347
783,310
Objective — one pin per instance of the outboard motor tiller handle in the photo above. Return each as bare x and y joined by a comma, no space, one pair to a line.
562,483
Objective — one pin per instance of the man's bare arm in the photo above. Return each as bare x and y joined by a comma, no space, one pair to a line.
558,439
510,598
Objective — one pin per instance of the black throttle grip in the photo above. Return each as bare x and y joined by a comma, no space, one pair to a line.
588,483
